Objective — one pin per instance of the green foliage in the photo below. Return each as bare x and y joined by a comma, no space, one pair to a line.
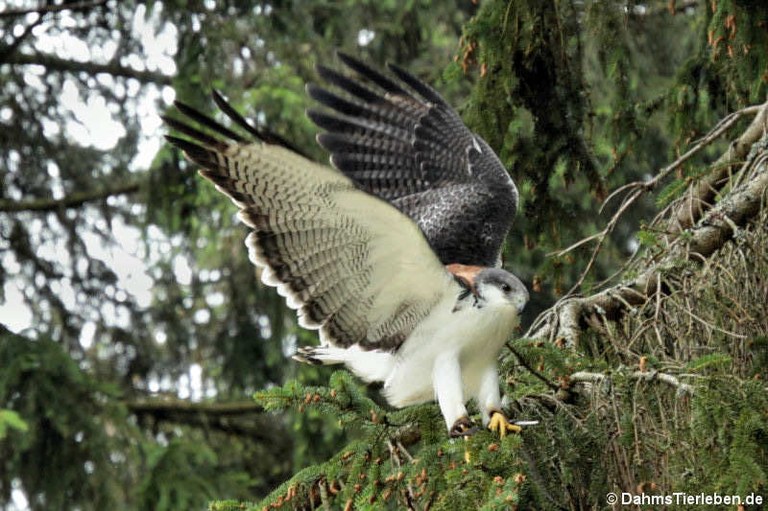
63,456
730,71
181,475
730,429
11,420
713,360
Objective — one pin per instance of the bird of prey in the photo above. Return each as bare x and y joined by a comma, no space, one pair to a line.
393,255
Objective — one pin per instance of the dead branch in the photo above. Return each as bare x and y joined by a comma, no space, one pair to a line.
567,319
701,195
683,389
639,188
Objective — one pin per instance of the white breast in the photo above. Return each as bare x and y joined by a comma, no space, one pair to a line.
475,335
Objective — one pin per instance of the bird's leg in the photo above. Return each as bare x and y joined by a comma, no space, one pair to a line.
489,399
446,378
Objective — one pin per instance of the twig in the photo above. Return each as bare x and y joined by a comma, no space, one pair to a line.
409,496
5,51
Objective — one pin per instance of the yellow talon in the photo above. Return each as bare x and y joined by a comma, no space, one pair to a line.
467,454
500,424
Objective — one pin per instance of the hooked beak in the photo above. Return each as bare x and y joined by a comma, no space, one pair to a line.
522,301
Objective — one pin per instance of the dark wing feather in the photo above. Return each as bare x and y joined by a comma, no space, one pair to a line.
396,138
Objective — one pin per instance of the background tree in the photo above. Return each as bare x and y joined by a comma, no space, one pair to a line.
127,378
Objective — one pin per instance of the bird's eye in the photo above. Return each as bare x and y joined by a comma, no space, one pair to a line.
506,288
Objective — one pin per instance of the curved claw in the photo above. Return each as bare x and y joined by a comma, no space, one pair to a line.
500,424
463,427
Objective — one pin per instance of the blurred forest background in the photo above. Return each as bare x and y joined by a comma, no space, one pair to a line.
134,332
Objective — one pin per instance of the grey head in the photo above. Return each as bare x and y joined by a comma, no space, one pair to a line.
494,285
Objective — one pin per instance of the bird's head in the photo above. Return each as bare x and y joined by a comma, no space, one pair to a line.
495,286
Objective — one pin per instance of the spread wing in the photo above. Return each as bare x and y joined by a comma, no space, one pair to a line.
353,266
396,138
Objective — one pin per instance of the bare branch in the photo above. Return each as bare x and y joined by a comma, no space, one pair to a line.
245,418
568,317
5,51
647,376
55,63
640,188
702,194
179,407
74,200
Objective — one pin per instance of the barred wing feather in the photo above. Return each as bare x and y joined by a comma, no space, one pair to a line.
353,266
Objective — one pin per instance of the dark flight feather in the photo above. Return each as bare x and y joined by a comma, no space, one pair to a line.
396,138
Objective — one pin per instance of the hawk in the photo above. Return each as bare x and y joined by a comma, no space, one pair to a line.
394,254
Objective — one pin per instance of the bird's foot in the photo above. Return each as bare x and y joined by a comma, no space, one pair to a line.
500,424
463,427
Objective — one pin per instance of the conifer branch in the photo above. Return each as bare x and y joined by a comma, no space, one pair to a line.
321,488
166,407
521,360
